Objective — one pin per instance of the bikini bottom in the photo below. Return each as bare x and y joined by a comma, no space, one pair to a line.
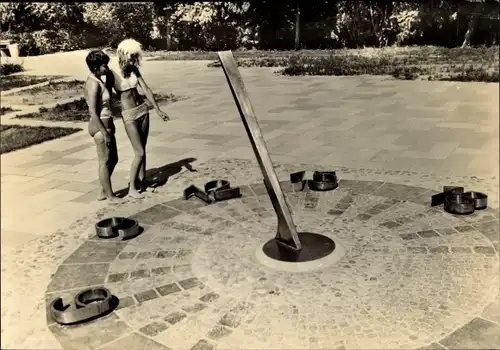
107,120
132,114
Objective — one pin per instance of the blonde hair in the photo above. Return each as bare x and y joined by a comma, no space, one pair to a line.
126,49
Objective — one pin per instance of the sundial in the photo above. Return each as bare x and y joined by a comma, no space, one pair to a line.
288,245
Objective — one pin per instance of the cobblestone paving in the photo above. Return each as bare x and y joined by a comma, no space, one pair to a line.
412,274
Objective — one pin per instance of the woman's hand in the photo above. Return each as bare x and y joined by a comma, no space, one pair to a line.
163,115
107,138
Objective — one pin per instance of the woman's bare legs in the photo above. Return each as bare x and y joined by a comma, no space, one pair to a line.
133,129
108,158
144,128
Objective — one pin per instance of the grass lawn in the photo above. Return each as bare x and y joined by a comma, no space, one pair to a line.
428,63
77,111
419,62
419,51
210,56
10,68
14,137
10,82
51,92
5,110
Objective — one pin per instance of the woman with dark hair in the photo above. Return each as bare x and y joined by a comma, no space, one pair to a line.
101,126
135,111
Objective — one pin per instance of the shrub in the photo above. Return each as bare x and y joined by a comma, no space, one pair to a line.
78,111
15,137
9,82
473,74
406,73
49,41
5,110
339,65
405,68
10,68
42,42
207,26
256,62
26,41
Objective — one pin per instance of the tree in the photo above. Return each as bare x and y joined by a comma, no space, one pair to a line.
209,26
68,16
317,19
132,20
99,14
273,22
477,10
291,24
480,11
368,23
18,17
297,26
163,13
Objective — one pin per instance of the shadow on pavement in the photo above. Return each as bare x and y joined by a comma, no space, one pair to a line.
157,177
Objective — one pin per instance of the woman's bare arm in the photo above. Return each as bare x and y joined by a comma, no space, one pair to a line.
147,91
114,94
150,96
93,92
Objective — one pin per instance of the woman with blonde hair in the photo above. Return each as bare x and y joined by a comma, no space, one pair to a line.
135,111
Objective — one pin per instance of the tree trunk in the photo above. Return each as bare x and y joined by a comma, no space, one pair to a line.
471,27
167,33
297,27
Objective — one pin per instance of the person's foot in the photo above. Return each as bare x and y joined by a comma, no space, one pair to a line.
115,199
135,194
142,186
102,195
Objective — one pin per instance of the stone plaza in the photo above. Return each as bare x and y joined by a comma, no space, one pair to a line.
411,276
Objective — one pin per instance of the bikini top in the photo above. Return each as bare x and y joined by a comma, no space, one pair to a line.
104,92
124,84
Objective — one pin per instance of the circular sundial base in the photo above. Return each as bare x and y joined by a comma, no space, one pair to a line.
314,247
317,252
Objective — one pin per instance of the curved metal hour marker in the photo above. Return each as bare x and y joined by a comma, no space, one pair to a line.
457,201
480,199
88,305
215,191
321,181
117,226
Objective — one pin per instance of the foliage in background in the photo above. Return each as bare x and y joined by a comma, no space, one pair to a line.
409,63
130,20
211,26
313,24
110,23
41,28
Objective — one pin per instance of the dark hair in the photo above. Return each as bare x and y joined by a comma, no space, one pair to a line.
95,59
